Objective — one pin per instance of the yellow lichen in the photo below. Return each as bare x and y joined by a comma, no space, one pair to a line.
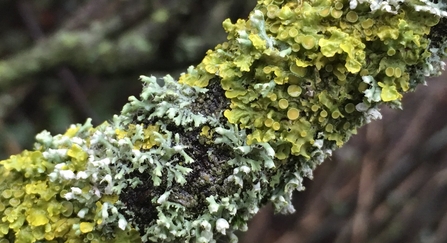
276,126
294,90
293,113
268,122
283,104
300,77
352,16
86,227
33,205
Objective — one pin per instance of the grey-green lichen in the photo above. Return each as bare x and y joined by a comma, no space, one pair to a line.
193,160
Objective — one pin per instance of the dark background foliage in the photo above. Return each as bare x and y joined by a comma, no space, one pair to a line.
64,61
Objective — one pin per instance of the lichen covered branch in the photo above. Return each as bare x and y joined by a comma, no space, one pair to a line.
195,159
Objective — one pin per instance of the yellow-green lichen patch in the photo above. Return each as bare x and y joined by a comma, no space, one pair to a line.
44,195
298,70
29,206
299,77
317,55
71,132
206,132
389,92
147,141
86,227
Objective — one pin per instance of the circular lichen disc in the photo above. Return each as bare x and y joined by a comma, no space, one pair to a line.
397,72
294,90
293,113
268,122
336,114
324,12
308,42
336,13
349,108
352,16
276,126
389,71
283,104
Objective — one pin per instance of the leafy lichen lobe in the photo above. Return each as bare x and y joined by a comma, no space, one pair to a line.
296,69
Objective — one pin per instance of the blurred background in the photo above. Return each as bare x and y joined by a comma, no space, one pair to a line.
64,61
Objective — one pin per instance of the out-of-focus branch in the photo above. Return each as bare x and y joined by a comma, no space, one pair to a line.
65,74
105,42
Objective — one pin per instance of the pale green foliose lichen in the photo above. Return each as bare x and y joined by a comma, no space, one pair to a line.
193,160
